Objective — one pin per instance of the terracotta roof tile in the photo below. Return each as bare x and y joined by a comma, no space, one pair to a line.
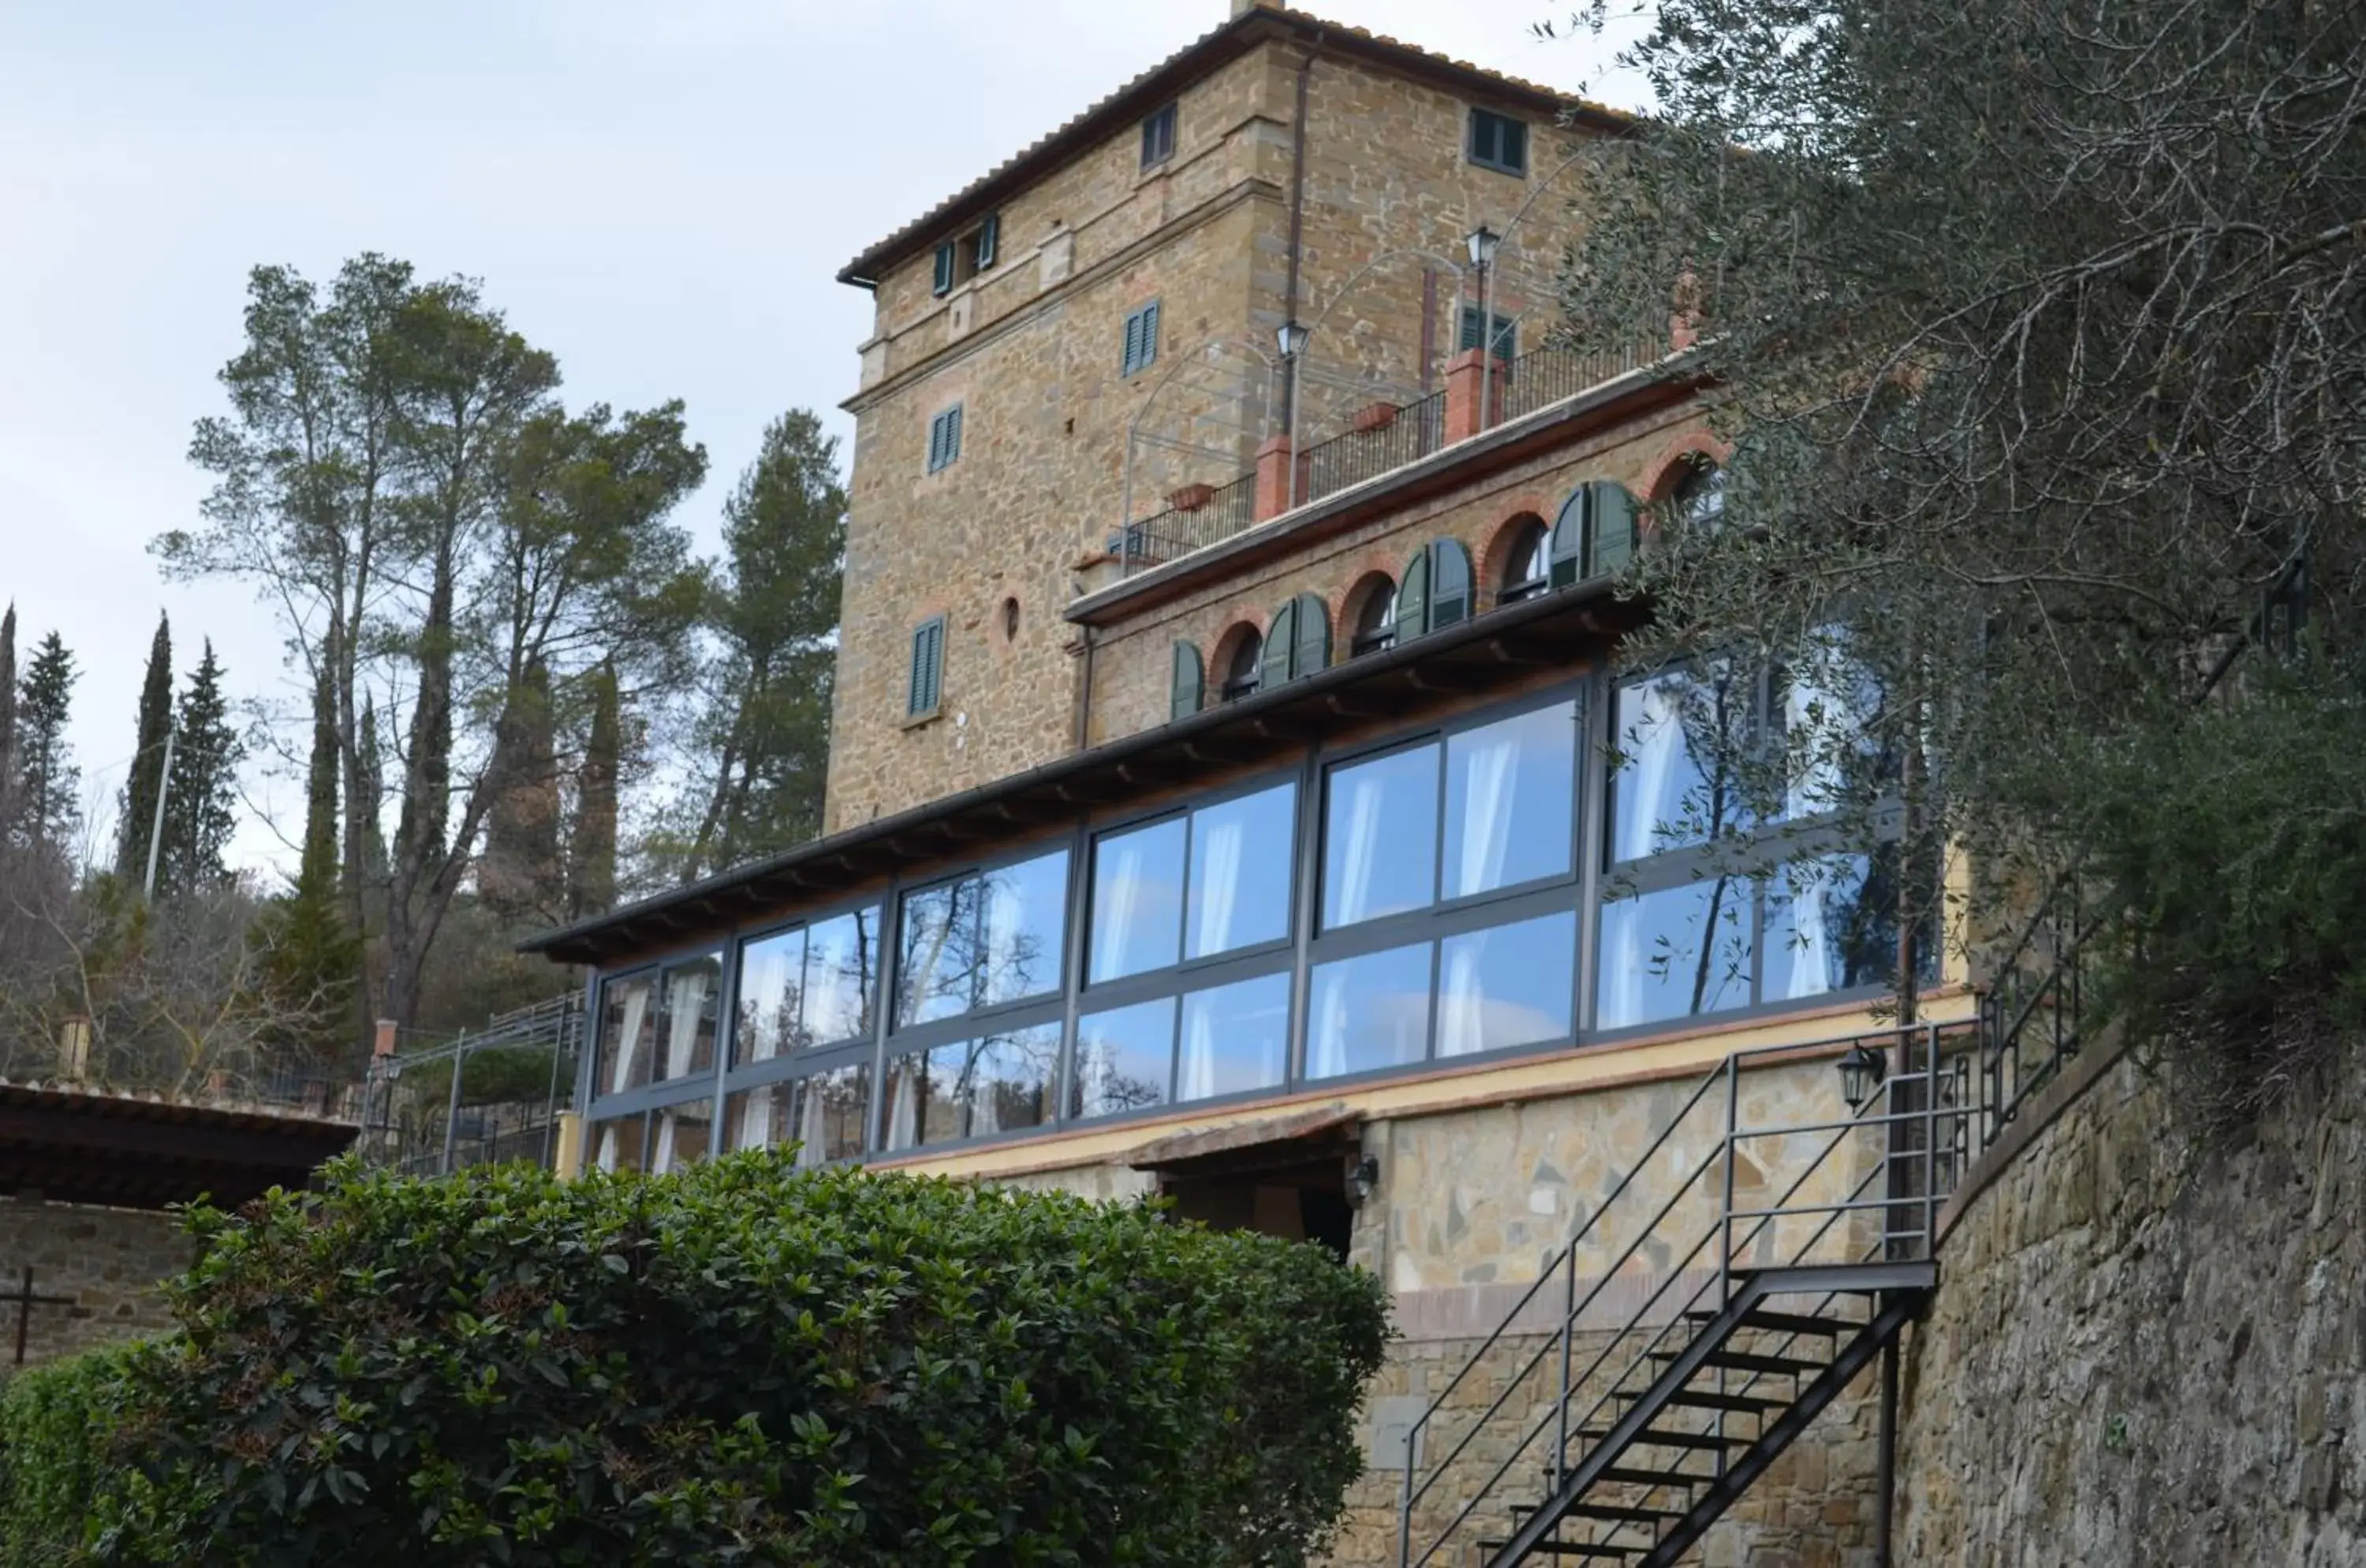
1189,61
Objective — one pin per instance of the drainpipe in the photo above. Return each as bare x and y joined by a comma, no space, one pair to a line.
1085,698
1297,222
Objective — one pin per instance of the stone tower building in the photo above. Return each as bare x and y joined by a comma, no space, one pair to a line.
1090,329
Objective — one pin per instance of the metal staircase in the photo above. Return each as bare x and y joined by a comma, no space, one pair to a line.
1740,1276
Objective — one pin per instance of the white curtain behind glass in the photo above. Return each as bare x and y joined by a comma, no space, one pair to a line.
1198,1065
1808,947
685,1010
984,1105
1114,922
1462,999
1326,1031
1621,986
1653,747
628,1036
756,1119
1491,761
813,1129
1366,796
1217,898
904,1111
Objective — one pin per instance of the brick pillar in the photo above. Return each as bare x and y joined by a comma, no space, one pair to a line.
383,1045
1466,409
1273,479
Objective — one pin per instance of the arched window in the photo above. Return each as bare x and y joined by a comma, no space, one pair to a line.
1241,663
1525,568
1594,535
1434,592
1700,496
1372,623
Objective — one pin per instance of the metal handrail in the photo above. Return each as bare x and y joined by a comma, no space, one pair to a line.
1720,1232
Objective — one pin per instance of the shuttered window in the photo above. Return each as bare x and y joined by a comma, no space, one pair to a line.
1436,591
1142,339
1595,535
1499,143
926,684
944,278
1298,643
988,242
944,438
1187,681
1506,332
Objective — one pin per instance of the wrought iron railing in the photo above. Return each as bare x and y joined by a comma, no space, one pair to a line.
1863,1183
2033,1006
1545,375
486,1097
1407,435
1178,531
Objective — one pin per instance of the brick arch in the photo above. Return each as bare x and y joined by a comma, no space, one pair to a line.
1227,646
1496,558
1668,469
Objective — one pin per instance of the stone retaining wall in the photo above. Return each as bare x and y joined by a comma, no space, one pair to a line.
108,1261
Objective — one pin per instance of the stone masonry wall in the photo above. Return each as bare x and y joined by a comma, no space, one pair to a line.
111,1261
2143,1354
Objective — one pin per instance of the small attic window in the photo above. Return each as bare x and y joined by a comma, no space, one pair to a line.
1158,137
960,260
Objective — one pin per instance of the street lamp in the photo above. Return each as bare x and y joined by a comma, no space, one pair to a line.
1483,242
1862,1072
1290,338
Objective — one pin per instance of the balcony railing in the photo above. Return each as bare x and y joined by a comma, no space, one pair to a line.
1178,531
1384,440
1407,435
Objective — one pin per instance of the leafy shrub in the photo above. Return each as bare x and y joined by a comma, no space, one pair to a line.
744,1364
2227,846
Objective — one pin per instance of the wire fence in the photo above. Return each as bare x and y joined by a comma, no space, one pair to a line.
484,1097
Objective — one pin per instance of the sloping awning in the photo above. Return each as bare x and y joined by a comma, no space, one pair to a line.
1245,1147
71,1145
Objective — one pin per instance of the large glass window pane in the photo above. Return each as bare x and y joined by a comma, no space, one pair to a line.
618,1144
1675,952
1828,700
1832,925
925,1091
1511,789
1137,900
1508,987
1379,837
1368,1012
770,998
1243,863
628,1033
1123,1059
1235,1038
1016,1082
936,969
1026,921
841,976
681,1135
1672,789
690,992
763,1118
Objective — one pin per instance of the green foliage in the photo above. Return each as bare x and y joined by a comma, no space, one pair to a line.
201,797
2229,845
62,1428
48,784
139,816
498,1075
743,1364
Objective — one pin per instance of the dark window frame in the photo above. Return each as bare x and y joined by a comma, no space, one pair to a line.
945,437
1158,134
1502,147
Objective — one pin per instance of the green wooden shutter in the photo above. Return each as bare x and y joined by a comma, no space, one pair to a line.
1132,343
1310,650
952,433
1612,528
1187,681
1449,584
944,281
1149,334
1273,666
927,666
1566,551
989,240
1412,597
1512,151
1468,338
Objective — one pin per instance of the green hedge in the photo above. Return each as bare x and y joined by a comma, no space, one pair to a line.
741,1364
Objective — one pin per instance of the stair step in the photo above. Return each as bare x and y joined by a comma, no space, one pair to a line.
1571,1549
1677,1440
1747,1361
1620,1513
1783,1322
1742,1404
1616,1474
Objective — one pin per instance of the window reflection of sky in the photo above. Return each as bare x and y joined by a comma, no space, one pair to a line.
1505,987
1234,1038
1368,1012
1675,952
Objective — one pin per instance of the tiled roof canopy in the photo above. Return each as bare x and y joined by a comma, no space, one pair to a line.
1256,25
80,1145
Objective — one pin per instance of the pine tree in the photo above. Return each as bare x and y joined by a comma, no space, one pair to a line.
201,797
49,813
591,858
372,790
137,822
311,960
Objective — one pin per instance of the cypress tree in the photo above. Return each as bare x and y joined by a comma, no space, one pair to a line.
200,803
311,960
49,813
317,872
373,797
591,860
139,816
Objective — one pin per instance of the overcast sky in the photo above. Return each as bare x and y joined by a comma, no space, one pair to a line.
660,193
